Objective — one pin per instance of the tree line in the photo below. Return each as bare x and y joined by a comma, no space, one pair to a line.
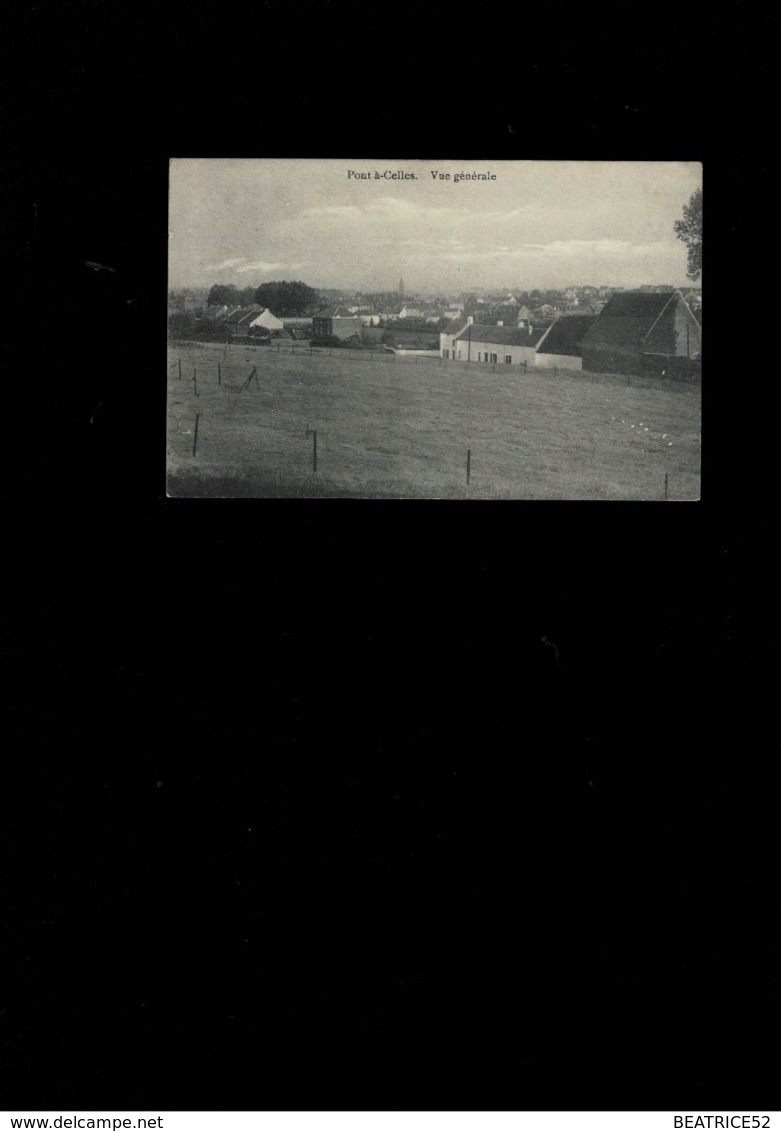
285,299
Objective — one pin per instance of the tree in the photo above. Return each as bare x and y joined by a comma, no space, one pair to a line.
689,230
294,299
222,295
182,326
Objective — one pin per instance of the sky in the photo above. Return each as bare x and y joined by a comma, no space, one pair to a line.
537,225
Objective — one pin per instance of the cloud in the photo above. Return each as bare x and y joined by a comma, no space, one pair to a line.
226,264
261,265
393,208
242,266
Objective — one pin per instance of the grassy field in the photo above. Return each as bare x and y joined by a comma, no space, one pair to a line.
392,428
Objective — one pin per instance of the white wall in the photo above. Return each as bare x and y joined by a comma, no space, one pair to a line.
448,342
267,319
418,353
518,354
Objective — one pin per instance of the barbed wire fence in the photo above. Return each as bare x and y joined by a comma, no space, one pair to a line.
387,355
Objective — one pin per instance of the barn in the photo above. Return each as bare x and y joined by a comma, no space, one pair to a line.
561,346
641,332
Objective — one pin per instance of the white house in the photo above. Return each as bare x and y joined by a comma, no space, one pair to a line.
267,320
447,337
503,345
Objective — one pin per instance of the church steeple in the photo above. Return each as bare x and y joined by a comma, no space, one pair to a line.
401,288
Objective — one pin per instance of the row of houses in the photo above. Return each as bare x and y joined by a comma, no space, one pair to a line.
243,321
635,332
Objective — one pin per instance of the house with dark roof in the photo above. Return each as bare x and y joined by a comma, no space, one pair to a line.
335,322
504,345
216,310
238,320
561,345
265,320
448,335
644,332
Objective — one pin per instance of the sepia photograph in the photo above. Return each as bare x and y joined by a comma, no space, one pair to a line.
391,329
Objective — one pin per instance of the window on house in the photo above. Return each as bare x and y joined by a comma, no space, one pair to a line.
446,354
508,359
493,357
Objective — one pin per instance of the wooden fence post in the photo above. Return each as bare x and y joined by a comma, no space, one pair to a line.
314,450
195,383
219,374
195,433
468,464
180,368
665,485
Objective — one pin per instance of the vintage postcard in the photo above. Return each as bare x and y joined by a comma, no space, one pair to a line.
392,329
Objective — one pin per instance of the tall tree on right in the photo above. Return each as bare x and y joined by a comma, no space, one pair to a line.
689,230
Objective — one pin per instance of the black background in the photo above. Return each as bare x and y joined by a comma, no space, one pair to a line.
301,808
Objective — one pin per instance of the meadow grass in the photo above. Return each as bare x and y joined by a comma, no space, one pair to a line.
393,428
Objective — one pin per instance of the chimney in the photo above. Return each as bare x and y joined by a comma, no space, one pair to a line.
469,320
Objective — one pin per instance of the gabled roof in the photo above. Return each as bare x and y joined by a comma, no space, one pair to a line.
239,313
566,334
501,335
453,327
628,317
335,312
